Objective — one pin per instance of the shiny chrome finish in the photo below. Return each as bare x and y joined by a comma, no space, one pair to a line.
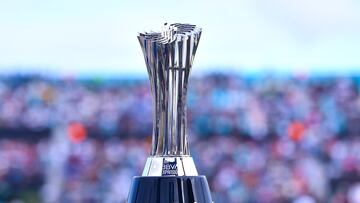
169,56
170,166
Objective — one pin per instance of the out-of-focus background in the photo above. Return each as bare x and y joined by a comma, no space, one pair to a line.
273,101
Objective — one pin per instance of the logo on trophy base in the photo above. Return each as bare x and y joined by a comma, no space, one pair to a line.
169,168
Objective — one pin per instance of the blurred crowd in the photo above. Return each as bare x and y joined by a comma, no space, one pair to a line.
257,139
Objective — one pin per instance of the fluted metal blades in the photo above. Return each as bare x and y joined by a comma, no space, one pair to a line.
169,56
175,45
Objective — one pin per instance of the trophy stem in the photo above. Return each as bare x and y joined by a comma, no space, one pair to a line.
169,128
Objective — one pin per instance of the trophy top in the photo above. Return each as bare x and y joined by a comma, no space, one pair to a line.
171,33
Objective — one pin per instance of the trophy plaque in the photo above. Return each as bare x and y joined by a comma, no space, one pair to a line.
169,175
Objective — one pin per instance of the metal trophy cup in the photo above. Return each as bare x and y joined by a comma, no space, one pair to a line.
170,175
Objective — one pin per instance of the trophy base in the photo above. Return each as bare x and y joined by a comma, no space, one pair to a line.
170,166
176,189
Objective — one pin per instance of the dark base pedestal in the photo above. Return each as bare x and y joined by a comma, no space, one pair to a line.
179,189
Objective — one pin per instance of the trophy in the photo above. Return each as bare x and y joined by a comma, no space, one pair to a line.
170,175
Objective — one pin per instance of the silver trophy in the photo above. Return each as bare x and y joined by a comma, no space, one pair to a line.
170,174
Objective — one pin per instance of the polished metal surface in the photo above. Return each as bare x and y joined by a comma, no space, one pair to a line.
169,56
170,166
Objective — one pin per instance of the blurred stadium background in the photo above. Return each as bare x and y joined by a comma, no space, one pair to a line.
273,102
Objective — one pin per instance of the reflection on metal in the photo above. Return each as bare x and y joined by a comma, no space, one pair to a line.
169,56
